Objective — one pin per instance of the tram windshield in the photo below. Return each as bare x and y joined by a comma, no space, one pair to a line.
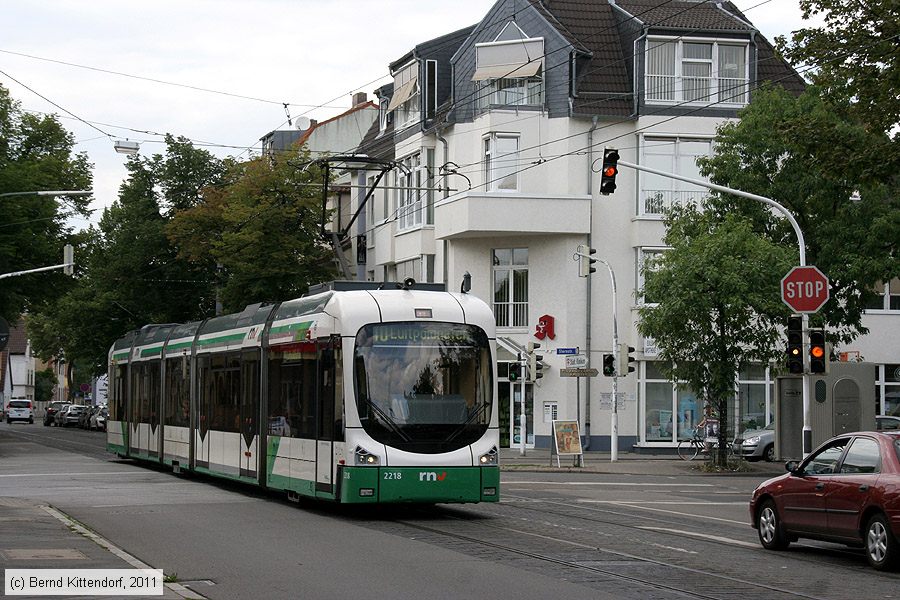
423,387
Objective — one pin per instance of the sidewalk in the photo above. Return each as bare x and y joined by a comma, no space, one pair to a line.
539,460
38,536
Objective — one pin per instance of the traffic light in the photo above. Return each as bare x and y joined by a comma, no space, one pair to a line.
609,365
625,360
515,371
609,171
818,352
585,261
535,362
795,345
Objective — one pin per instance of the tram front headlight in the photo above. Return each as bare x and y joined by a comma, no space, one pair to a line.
489,458
364,457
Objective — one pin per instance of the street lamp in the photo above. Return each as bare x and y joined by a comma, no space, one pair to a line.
49,193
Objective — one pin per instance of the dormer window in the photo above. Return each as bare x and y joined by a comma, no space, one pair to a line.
509,70
696,71
405,101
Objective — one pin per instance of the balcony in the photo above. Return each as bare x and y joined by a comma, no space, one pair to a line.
484,214
655,202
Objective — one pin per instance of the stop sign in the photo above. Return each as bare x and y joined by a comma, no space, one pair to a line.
805,289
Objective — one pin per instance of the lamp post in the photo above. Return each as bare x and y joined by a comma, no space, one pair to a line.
68,263
49,193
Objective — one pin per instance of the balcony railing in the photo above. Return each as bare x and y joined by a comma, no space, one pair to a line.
655,202
670,88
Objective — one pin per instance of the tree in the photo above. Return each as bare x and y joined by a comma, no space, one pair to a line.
813,157
261,230
44,384
36,153
857,53
719,306
129,274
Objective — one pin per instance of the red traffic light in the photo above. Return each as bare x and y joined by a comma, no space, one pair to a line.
817,351
609,172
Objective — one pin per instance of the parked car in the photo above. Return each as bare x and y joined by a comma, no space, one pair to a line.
71,415
756,444
887,423
847,491
52,409
98,419
19,410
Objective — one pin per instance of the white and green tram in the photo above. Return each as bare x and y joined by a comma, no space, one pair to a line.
362,395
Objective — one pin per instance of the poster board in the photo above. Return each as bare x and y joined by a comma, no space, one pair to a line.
566,439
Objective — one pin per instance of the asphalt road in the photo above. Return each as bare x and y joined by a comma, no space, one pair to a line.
572,535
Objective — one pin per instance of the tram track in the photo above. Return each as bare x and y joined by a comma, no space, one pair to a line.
715,586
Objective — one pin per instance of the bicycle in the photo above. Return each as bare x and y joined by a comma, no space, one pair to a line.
694,446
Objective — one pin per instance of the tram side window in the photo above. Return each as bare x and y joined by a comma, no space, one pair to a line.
339,419
137,382
117,406
178,398
225,392
292,394
152,400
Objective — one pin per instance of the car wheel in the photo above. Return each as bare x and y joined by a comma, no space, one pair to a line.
882,550
769,453
768,526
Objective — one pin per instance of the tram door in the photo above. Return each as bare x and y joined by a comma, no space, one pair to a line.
326,351
249,412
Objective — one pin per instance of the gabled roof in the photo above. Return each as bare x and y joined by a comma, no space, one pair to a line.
305,137
704,16
590,26
18,340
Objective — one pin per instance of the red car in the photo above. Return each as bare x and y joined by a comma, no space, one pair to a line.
847,491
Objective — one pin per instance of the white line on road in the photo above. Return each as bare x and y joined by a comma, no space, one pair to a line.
704,536
671,512
676,502
626,483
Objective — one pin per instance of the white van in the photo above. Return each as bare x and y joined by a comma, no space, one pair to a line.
19,410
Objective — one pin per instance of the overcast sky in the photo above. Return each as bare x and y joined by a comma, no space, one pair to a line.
309,53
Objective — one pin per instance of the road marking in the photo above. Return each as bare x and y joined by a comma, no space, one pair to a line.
635,484
705,536
671,512
640,502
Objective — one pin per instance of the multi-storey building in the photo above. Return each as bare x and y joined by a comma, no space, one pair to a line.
498,129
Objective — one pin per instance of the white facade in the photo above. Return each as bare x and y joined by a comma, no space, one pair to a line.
522,184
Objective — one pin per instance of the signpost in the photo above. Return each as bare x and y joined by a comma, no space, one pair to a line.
805,289
578,372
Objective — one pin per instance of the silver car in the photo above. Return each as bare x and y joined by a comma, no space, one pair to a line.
756,444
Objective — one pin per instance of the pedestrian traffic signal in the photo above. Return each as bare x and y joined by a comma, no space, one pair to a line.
795,345
515,371
818,352
609,171
625,360
585,261
609,365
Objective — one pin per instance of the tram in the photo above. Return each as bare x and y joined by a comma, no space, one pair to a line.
349,395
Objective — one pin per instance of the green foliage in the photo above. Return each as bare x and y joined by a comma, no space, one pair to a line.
811,157
719,306
44,383
261,230
36,153
858,56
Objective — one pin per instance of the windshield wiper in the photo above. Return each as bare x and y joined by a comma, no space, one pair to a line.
388,421
475,415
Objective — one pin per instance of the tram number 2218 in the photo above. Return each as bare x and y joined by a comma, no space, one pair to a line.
393,475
